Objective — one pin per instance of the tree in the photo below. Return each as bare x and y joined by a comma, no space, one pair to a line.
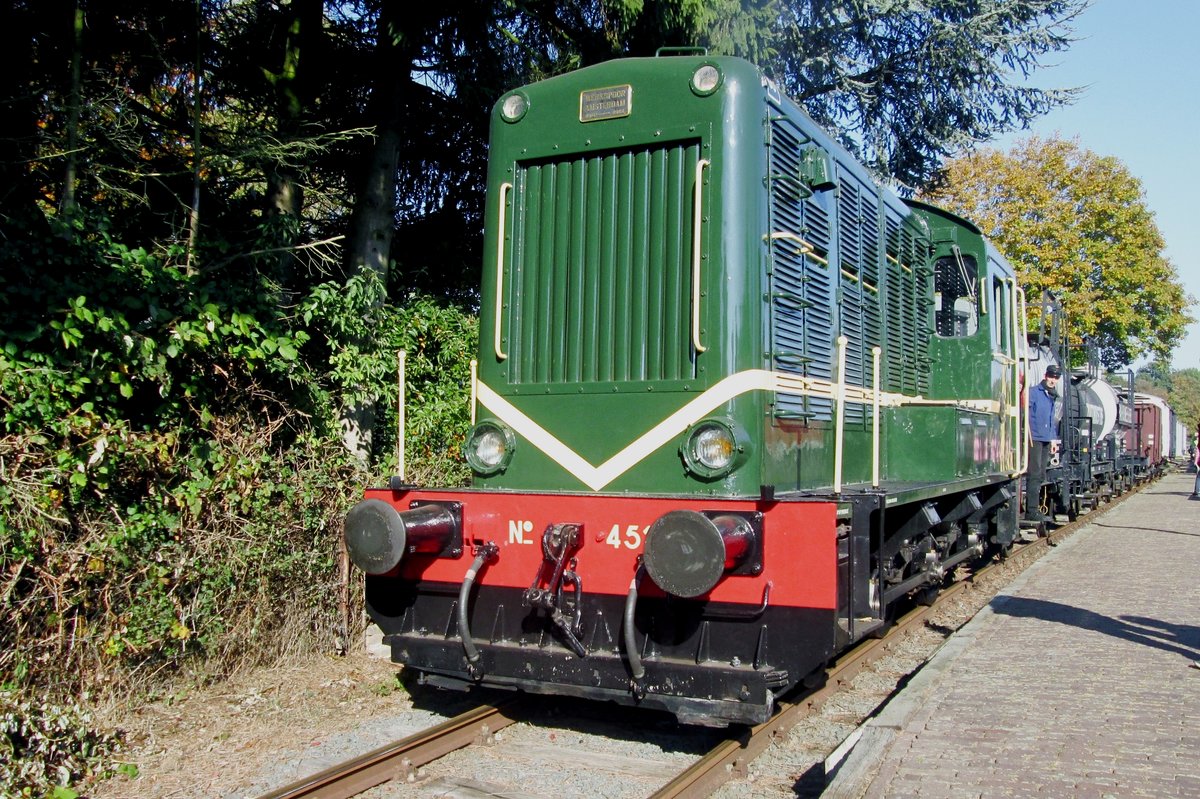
1155,378
907,84
1185,398
1076,223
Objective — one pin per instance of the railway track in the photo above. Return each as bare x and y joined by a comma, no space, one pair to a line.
402,759
729,760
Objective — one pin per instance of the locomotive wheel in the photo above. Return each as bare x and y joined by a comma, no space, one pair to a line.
928,595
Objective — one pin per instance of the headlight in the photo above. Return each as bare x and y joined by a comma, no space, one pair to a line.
513,107
706,79
711,449
490,448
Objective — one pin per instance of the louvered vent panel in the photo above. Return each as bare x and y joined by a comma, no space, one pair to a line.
803,299
907,310
600,286
859,252
894,349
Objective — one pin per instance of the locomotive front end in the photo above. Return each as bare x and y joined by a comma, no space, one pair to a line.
617,541
653,601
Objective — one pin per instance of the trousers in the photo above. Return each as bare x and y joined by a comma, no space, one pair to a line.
1039,459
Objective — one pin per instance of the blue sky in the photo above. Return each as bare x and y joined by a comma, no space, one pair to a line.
1140,62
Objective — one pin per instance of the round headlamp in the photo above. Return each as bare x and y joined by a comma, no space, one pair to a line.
513,107
489,448
711,448
706,80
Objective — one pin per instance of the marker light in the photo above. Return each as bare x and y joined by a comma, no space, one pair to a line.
711,449
706,79
513,107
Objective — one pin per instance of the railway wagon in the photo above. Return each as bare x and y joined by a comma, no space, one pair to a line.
1179,438
1104,418
733,401
1153,436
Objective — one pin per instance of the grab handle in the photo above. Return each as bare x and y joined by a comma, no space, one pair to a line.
697,218
504,190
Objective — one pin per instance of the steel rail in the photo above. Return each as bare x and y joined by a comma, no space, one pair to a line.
401,759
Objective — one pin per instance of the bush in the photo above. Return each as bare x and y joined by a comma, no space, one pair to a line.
172,481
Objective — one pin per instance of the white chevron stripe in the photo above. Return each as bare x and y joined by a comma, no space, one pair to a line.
596,477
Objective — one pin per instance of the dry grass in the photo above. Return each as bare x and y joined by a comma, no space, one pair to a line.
206,741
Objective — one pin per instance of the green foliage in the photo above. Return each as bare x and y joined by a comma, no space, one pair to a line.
1184,398
173,483
1076,223
49,749
363,338
907,84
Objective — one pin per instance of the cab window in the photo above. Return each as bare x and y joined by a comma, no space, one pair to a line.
954,304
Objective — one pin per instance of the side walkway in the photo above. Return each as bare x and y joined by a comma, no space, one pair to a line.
1080,680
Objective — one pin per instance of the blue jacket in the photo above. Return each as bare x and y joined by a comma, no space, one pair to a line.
1041,414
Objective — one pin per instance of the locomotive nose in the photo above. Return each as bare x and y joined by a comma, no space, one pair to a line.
687,552
378,535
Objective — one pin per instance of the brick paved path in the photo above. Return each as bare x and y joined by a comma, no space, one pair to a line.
1078,681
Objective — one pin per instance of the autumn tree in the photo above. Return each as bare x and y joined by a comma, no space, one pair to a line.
1076,223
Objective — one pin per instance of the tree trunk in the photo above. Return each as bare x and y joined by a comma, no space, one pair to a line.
374,218
74,103
294,92
197,109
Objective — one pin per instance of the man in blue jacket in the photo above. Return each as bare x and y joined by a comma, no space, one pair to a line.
1044,432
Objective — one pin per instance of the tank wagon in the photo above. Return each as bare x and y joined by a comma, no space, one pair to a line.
1110,437
733,401
1100,415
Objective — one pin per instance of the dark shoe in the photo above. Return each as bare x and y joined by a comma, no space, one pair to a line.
1194,496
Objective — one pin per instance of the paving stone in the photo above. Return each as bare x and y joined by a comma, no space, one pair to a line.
1077,681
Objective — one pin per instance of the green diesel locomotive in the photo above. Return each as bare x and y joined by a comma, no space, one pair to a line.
733,401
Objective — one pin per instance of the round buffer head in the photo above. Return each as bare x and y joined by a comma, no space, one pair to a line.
684,553
375,536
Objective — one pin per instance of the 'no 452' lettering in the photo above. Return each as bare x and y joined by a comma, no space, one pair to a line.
520,531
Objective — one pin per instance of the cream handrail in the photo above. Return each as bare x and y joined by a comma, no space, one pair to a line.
840,396
806,248
1024,359
697,218
505,188
474,388
401,400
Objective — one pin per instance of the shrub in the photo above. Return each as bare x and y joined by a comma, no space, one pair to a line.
172,481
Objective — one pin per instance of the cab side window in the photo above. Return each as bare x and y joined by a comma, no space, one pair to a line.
954,305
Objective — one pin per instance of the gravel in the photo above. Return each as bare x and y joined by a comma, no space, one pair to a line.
275,725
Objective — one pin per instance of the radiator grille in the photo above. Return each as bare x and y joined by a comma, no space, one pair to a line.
907,346
600,286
